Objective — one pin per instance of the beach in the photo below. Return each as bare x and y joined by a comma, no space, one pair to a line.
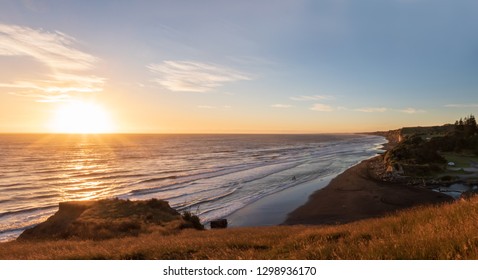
357,194
210,175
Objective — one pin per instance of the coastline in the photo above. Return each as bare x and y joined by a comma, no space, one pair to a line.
212,180
358,194
273,209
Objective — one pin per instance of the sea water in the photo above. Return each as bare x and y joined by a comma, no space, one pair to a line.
209,175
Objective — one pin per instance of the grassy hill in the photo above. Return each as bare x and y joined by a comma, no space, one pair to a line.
447,231
110,218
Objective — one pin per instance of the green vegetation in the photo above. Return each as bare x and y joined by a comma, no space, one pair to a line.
416,157
461,160
425,151
427,133
466,127
433,232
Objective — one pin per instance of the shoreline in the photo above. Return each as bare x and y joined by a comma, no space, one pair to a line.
356,194
275,209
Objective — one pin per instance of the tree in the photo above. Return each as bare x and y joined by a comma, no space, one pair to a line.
469,124
466,127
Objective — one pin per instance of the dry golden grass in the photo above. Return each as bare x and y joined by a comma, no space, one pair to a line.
448,231
110,218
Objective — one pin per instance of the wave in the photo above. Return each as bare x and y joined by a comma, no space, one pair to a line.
11,185
25,211
159,179
216,174
185,180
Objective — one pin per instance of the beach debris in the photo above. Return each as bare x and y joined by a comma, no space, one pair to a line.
219,223
451,163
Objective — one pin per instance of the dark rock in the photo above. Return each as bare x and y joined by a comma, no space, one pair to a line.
219,223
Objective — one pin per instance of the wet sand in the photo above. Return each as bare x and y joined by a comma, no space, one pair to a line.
273,209
356,194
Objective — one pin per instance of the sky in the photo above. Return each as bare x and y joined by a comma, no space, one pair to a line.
318,66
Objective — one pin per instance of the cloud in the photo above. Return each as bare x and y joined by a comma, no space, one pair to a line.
193,76
43,97
462,105
56,51
412,111
311,97
321,107
371,110
51,48
282,106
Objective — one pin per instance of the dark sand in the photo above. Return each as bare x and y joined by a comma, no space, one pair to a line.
356,194
273,209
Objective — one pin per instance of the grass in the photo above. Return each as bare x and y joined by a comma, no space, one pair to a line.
427,132
461,160
111,218
448,231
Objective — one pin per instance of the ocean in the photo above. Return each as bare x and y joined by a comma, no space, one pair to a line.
212,176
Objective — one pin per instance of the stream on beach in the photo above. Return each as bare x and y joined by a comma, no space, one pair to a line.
456,190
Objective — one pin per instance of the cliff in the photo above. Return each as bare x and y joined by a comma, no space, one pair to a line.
110,218
393,136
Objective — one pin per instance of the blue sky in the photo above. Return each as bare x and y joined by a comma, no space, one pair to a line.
240,66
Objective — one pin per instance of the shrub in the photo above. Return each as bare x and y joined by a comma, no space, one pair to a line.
192,220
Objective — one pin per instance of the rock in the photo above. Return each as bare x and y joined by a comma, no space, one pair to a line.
219,223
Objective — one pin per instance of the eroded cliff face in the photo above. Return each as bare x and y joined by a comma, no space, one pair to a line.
393,136
385,169
108,218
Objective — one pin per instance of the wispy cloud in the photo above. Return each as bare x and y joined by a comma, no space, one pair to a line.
56,51
412,111
311,97
193,76
281,106
51,48
471,105
321,108
43,97
372,110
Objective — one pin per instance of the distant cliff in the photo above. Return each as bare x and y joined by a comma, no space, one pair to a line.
393,136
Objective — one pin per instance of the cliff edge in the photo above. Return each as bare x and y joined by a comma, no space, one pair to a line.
110,218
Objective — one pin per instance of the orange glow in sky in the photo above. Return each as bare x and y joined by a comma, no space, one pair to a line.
252,67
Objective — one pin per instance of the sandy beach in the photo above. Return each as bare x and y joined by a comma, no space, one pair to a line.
356,194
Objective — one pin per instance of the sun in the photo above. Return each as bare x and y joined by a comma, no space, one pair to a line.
81,117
